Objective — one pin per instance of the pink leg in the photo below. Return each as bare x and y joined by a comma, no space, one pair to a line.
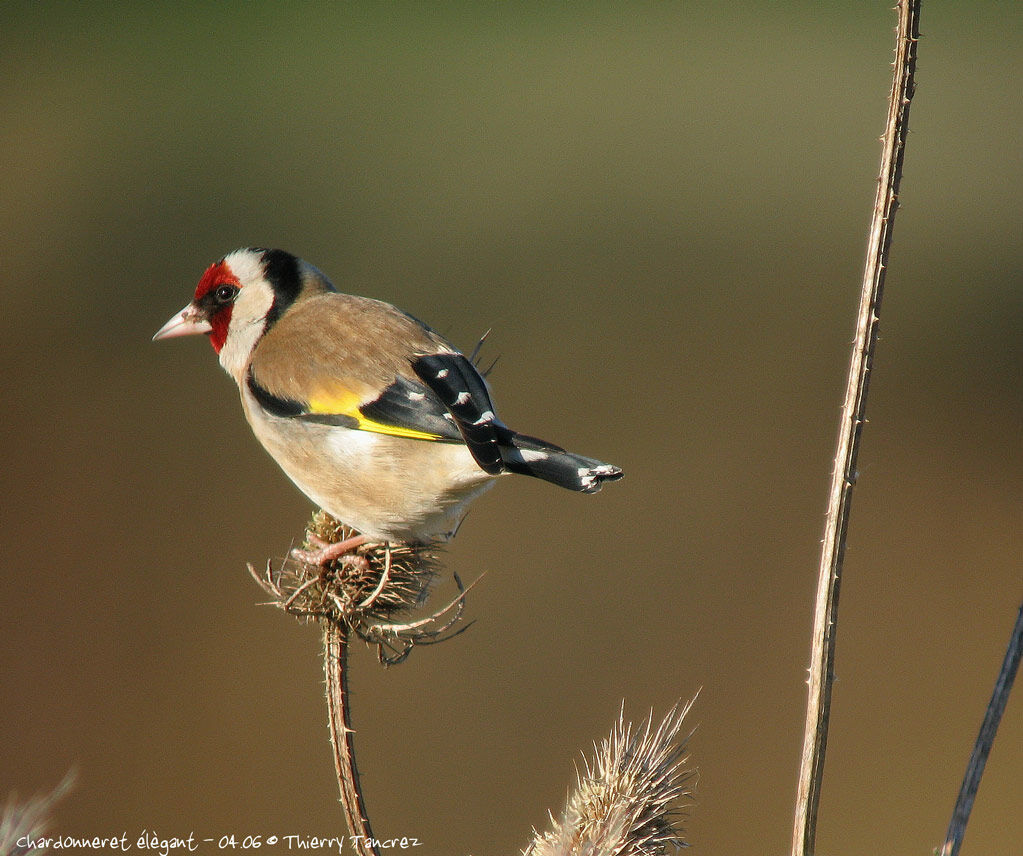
327,552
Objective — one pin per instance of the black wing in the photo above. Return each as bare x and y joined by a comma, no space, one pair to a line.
411,406
462,390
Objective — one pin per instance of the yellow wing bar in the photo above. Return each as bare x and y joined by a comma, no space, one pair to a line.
347,404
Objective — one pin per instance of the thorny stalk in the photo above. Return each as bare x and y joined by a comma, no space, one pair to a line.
985,739
852,419
335,670
361,592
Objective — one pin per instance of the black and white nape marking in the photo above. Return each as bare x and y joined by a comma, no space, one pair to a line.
284,273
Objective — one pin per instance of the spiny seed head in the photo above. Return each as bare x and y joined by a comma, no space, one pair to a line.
410,569
626,801
372,583
22,823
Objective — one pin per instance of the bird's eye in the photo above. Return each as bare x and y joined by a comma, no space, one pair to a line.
225,293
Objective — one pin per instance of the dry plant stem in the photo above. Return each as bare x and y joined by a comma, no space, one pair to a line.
853,414
988,729
360,592
335,667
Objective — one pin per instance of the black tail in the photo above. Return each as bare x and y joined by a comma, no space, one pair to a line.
531,457
495,447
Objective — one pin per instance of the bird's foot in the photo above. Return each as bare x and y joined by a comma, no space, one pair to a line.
326,551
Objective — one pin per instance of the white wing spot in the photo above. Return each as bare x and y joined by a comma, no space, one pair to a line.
416,396
462,398
442,373
485,418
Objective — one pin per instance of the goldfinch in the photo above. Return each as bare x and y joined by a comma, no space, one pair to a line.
374,416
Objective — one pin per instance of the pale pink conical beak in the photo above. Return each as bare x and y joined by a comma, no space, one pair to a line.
185,323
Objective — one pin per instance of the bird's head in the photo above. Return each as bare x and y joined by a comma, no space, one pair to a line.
239,297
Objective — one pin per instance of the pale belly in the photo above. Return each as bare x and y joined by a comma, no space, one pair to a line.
388,488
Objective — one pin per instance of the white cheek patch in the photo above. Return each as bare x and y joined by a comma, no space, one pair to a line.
241,339
248,314
251,305
248,320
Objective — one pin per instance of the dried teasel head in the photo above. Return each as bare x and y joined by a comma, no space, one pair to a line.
630,798
365,590
24,824
374,582
377,580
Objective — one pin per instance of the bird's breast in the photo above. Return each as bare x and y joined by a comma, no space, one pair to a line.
392,488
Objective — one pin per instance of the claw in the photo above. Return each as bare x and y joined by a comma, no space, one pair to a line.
327,552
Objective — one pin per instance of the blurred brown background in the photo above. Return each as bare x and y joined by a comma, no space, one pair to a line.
662,212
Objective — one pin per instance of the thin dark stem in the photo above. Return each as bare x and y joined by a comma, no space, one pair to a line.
852,419
981,749
335,668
